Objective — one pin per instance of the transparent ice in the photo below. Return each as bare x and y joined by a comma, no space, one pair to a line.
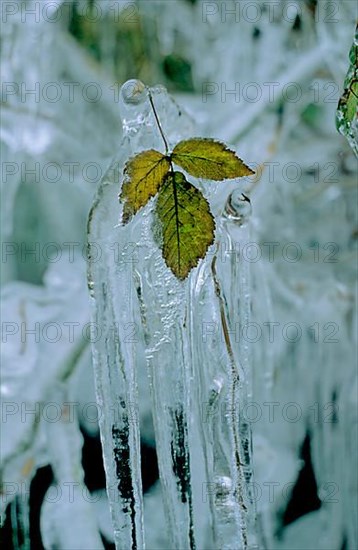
292,391
203,445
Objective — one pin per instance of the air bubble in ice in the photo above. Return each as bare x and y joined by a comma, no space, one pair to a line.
238,207
133,92
133,106
223,486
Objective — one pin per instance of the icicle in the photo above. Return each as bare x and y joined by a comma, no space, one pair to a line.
68,498
204,463
220,310
115,353
20,515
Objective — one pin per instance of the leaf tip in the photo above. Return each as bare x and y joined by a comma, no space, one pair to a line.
251,172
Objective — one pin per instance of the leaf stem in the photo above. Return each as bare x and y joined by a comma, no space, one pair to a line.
157,121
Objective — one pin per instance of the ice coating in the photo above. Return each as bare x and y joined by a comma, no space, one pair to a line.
196,448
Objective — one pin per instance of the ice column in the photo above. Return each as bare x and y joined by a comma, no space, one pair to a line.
183,335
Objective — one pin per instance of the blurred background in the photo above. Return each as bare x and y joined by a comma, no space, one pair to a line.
266,77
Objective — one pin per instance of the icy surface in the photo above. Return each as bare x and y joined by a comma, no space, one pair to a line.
296,390
203,446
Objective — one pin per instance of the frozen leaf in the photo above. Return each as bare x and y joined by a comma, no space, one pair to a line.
187,224
349,102
143,175
347,110
206,158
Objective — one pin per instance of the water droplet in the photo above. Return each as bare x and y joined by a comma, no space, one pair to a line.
90,285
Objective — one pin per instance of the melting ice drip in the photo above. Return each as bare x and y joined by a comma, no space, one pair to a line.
199,375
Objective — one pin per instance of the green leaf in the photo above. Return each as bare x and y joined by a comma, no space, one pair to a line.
143,175
187,224
351,97
209,159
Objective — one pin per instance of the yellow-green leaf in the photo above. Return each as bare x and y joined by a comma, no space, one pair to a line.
186,222
143,175
209,159
351,96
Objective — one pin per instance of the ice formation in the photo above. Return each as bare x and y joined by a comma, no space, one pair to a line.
243,413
